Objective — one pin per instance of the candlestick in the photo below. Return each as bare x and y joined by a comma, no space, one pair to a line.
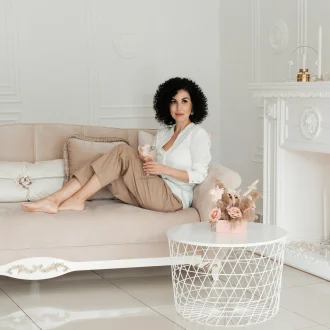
325,215
319,55
304,60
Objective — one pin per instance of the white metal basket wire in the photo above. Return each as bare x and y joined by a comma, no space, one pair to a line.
227,286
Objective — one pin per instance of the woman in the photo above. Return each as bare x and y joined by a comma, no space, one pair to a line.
182,159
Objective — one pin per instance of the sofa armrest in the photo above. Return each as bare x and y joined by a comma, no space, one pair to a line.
202,200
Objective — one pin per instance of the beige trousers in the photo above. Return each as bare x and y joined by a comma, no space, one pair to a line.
122,167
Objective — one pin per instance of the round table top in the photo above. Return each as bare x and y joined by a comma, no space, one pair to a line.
201,234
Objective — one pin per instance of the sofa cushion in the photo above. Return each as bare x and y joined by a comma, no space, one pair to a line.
90,252
22,181
103,222
80,149
38,142
17,143
146,138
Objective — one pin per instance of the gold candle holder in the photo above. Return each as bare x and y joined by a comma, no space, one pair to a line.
303,75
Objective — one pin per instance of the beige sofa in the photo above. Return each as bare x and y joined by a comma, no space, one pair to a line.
107,234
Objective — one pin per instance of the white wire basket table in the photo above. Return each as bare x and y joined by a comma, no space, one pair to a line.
227,279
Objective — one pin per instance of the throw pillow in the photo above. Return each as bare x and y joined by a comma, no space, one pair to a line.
22,181
80,150
146,138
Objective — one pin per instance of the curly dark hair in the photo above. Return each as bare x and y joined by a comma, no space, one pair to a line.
169,89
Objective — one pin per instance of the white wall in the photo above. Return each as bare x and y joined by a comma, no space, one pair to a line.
236,70
100,61
256,40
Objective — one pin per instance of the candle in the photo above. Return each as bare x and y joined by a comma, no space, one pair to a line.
304,60
325,215
319,55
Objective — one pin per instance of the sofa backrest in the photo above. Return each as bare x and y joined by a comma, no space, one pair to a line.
37,142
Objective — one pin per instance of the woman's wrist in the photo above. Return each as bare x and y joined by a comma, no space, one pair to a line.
181,175
168,170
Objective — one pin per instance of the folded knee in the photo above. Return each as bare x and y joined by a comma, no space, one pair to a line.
124,148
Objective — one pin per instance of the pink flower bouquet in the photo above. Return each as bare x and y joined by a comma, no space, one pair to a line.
233,206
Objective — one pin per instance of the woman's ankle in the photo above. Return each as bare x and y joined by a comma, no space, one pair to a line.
75,198
54,199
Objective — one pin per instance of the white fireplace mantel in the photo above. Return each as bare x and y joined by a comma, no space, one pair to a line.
291,90
296,167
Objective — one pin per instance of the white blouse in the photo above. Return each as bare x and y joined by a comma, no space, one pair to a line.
190,152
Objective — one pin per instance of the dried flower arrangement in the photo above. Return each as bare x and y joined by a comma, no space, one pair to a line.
232,206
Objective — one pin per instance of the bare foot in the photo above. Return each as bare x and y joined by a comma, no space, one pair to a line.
44,205
72,204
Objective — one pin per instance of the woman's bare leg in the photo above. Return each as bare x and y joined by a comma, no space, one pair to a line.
51,203
77,201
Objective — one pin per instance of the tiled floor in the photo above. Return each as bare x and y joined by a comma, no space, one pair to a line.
141,299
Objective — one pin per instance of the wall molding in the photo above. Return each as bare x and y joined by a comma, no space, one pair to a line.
125,39
279,37
125,117
6,88
92,79
98,111
302,11
258,152
10,92
120,111
138,106
10,101
256,40
7,117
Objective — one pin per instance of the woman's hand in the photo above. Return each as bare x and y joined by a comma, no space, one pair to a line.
155,168
146,158
145,154
151,167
